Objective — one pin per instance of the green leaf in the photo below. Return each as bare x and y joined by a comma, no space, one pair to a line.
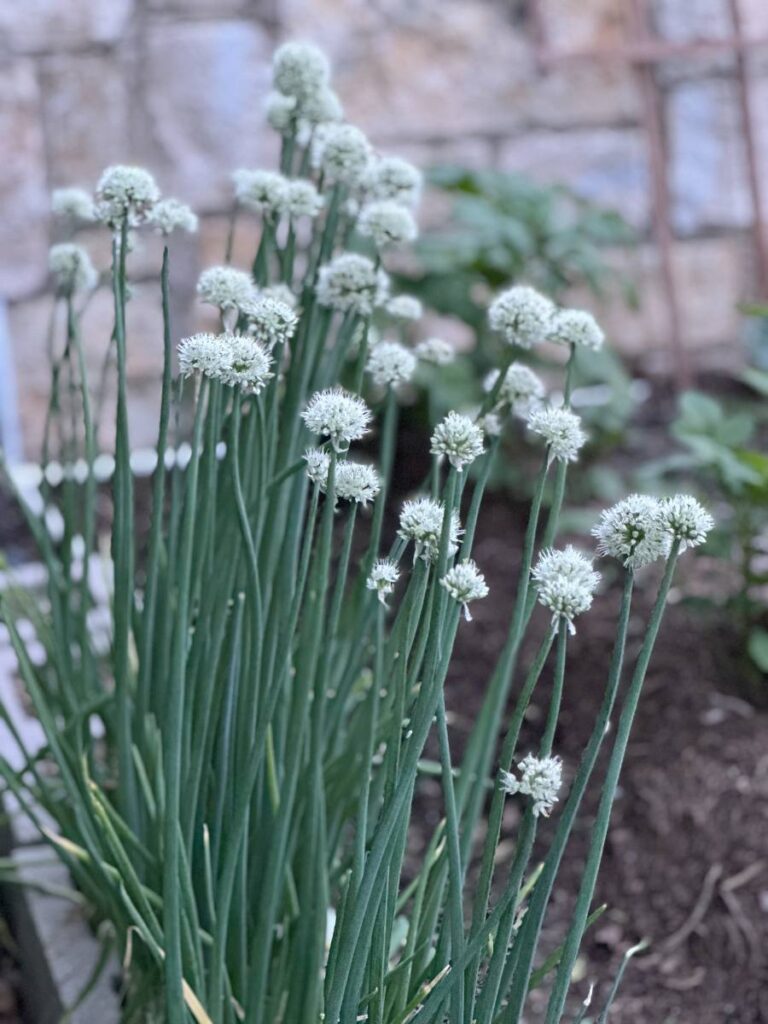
757,646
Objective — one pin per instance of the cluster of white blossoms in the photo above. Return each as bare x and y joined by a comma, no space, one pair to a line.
341,152
404,307
383,577
302,94
686,520
421,520
125,193
74,204
576,327
270,320
464,582
561,430
540,779
521,315
566,583
521,389
387,222
391,177
436,351
273,194
227,288
235,360
639,529
169,215
338,415
632,531
352,282
353,481
71,268
459,439
391,364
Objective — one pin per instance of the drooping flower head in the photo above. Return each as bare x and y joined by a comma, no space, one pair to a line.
73,203
387,223
436,351
338,415
391,364
521,315
521,389
351,281
341,152
391,177
576,327
71,268
168,215
561,430
384,575
125,192
566,582
459,438
318,464
270,320
633,531
464,582
685,520
404,307
227,288
299,69
421,520
260,190
540,779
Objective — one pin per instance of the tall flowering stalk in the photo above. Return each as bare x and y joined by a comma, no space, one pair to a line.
229,772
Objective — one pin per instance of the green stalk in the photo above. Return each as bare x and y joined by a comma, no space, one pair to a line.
600,830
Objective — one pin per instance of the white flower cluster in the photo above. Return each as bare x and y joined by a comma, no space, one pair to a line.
351,281
459,438
566,582
522,389
236,360
464,582
280,292
387,222
540,779
391,177
384,575
521,315
227,288
421,521
260,190
170,214
272,321
391,364
125,192
561,430
300,76
576,327
341,152
686,520
353,481
338,415
404,307
73,203
71,268
640,529
632,531
436,351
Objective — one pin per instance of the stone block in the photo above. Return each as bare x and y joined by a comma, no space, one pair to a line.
204,86
589,23
607,166
35,26
85,116
23,186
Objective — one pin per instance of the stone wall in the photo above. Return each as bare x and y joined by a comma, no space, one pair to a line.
177,85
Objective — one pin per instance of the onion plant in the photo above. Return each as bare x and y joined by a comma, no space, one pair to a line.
230,776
